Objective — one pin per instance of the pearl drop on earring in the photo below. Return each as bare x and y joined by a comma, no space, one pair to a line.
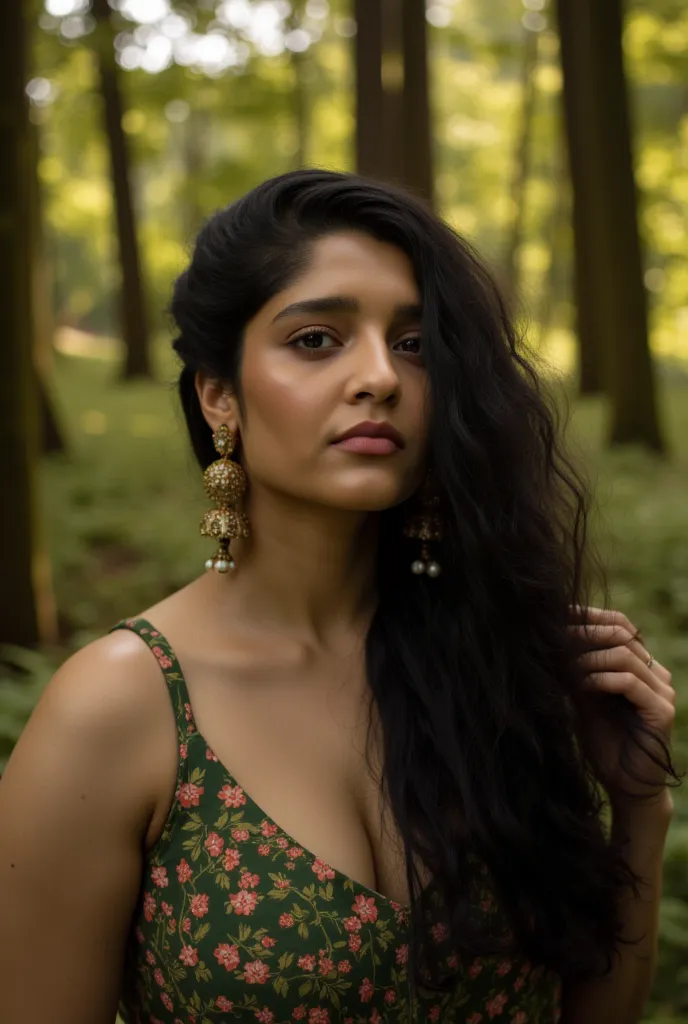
433,569
418,567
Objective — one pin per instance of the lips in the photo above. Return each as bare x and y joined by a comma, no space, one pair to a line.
375,430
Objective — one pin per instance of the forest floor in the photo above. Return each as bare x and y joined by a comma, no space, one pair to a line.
121,512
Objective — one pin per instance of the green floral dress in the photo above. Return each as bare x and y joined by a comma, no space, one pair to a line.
237,921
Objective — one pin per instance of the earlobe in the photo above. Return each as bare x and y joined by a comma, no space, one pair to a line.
217,402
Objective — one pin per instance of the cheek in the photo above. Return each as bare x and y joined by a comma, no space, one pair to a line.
285,420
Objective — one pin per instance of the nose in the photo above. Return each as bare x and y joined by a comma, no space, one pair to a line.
373,372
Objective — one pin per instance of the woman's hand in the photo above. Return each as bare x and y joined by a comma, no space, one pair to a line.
618,664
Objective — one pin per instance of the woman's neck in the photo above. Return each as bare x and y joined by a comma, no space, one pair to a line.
308,570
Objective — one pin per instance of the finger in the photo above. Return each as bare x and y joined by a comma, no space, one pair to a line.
612,635
657,710
623,661
602,616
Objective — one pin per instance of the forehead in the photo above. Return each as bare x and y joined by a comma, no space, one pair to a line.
352,262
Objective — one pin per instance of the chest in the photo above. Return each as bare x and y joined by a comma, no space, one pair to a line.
293,737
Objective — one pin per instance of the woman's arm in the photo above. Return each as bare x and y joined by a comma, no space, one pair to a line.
75,801
620,997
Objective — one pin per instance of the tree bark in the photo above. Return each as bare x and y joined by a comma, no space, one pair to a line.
25,605
370,155
521,169
417,120
132,299
610,290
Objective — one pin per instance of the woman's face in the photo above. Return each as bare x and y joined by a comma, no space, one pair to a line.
339,346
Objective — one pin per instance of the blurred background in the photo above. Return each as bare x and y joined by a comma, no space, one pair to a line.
552,133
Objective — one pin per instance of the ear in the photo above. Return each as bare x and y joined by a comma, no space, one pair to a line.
218,402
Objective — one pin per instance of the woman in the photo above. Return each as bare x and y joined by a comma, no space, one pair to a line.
377,790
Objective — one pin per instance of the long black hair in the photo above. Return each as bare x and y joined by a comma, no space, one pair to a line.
487,767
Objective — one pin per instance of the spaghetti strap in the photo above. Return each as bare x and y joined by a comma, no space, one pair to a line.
171,669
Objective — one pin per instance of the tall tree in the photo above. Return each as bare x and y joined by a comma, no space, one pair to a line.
393,129
370,153
132,296
611,298
25,605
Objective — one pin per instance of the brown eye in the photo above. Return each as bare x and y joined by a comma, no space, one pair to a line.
412,346
310,341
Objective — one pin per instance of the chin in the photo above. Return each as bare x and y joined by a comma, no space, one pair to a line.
368,497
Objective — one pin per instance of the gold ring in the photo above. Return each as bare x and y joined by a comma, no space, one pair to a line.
650,662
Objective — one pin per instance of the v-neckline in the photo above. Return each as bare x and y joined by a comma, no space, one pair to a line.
395,905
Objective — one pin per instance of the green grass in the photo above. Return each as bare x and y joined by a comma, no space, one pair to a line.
122,508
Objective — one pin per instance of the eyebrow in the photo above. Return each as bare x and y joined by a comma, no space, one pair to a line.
343,304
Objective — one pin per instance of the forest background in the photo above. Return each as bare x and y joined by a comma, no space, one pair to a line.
143,117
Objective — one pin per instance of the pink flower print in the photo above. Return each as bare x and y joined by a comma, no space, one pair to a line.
243,902
268,942
520,1018
189,795
199,904
390,996
231,859
355,942
352,924
148,906
265,1016
286,921
282,883
440,932
210,754
184,872
475,969
172,925
159,876
166,909
307,962
264,850
474,1018
165,662
325,964
290,865
402,954
227,956
365,907
495,1006
375,1017
283,843
295,852
504,968
214,844
154,632
256,973
434,1012
241,835
248,880
268,829
321,869
232,796
140,937
150,958
167,1001
453,961
366,990
224,1004
189,956
188,712
318,1015
183,751
159,977
186,924
299,1013
519,983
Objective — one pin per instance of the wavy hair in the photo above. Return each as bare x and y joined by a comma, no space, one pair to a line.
487,762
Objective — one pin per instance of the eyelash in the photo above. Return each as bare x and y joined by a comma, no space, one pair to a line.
323,331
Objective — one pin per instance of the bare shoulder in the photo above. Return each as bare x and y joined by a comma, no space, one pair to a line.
75,800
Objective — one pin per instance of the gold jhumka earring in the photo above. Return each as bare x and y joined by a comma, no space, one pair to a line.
425,525
225,483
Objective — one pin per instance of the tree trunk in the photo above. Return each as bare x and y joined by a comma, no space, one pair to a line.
521,169
370,156
417,120
132,300
50,434
25,604
301,67
610,291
